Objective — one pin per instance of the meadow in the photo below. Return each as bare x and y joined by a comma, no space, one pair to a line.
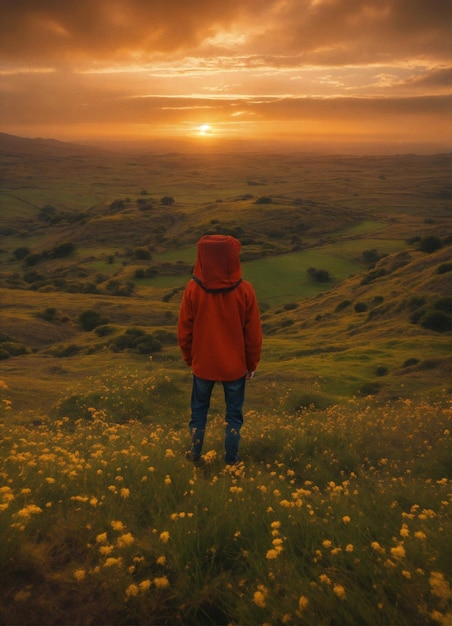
339,512
335,516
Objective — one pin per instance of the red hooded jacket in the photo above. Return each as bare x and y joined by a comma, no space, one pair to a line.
219,328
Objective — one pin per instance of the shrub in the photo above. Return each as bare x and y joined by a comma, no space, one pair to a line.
370,257
264,200
370,389
411,361
104,330
67,351
360,307
90,319
319,275
373,275
13,348
167,200
443,268
443,304
438,321
430,244
381,370
63,250
137,340
343,305
21,253
48,314
142,254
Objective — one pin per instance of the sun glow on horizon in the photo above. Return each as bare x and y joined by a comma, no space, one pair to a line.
204,129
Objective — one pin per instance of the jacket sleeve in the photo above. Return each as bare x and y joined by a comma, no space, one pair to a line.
252,333
185,328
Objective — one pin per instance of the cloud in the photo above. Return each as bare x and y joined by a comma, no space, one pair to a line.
254,63
304,31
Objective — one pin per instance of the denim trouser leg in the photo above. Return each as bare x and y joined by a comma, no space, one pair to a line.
234,395
200,402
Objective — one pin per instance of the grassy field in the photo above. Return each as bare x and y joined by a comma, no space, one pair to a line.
339,512
339,515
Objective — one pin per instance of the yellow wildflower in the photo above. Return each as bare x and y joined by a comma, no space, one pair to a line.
125,493
161,560
125,540
111,561
339,591
164,536
327,543
161,582
440,587
79,574
272,554
303,603
346,519
117,525
259,599
420,535
145,585
101,538
404,531
398,552
376,546
131,591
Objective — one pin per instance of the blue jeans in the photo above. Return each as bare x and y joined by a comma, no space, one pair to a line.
234,396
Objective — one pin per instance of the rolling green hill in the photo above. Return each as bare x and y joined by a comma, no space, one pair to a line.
353,299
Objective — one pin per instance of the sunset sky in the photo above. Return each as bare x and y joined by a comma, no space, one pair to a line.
310,73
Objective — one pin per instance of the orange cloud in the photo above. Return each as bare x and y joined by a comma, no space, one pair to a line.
257,67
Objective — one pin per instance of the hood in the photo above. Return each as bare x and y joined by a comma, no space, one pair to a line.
218,262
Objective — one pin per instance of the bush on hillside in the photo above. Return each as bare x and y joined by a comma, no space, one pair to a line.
264,200
373,275
136,340
142,254
90,319
370,257
104,330
411,361
437,321
13,348
48,315
318,275
116,288
360,307
343,305
444,268
430,244
21,253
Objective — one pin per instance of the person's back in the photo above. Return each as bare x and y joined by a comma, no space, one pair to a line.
219,332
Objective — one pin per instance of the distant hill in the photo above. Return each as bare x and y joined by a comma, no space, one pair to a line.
14,145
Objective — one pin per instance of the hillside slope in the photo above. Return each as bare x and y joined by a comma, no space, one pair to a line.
85,230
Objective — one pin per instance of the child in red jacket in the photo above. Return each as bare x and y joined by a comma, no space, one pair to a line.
220,336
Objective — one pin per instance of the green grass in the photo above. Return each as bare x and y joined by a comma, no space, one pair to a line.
334,515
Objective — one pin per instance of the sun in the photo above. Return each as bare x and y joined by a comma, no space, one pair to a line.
204,129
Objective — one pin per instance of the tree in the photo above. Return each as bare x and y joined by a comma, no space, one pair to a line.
430,244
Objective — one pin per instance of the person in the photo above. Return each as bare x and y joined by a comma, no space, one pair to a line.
220,336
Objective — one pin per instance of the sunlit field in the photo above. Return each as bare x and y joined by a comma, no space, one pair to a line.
336,516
